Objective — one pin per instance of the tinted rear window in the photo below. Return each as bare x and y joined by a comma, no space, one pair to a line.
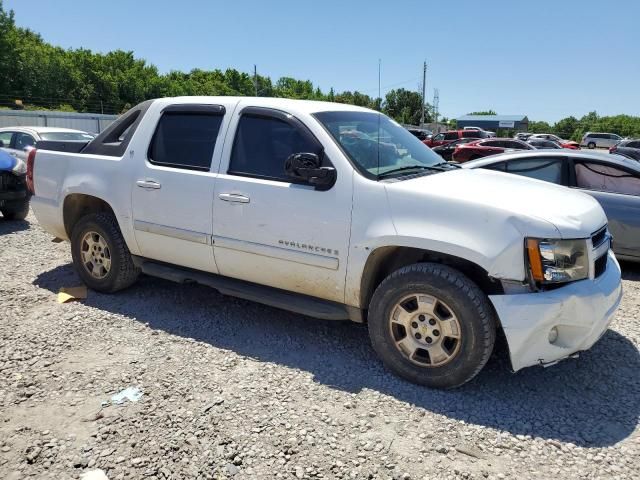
185,140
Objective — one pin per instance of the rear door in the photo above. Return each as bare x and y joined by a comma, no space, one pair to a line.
172,191
618,191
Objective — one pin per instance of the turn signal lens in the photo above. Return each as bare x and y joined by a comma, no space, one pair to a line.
535,261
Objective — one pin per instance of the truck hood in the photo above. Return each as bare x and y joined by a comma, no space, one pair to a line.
496,196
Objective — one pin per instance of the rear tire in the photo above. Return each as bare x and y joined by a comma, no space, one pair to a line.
100,255
591,145
432,325
17,212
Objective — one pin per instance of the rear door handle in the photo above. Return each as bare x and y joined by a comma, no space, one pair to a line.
150,184
234,197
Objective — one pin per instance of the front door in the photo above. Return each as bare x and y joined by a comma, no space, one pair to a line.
268,229
172,190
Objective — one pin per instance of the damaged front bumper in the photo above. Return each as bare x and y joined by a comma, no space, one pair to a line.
548,326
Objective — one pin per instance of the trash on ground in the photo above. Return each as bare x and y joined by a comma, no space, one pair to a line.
92,417
133,394
97,474
67,294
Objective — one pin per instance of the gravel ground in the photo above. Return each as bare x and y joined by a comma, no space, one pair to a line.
236,389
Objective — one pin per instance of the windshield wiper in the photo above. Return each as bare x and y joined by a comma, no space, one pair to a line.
437,167
448,164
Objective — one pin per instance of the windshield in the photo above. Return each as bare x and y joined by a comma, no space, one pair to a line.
70,136
375,143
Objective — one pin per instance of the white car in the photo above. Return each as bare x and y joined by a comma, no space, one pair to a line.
337,212
600,140
17,141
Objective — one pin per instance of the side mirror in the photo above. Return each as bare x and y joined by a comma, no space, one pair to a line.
308,167
1,143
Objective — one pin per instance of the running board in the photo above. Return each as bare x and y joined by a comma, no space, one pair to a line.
274,297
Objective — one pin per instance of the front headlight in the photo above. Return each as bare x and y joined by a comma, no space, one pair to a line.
20,167
557,261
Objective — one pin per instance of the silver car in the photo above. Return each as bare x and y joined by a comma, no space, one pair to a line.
600,140
17,141
613,180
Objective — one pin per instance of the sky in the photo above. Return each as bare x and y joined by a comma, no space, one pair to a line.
544,59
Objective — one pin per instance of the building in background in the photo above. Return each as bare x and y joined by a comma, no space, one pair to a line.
518,123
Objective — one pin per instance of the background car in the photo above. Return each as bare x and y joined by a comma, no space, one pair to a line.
447,137
446,150
483,148
14,197
600,140
541,143
18,140
613,180
560,141
522,136
420,133
628,148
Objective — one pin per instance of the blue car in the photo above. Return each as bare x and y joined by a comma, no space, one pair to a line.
14,196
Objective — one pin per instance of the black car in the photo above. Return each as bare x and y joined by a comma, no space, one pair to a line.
420,133
628,148
14,197
541,143
446,150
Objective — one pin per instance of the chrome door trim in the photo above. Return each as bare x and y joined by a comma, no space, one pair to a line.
179,233
305,258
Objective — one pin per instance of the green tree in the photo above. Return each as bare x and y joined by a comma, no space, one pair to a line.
484,112
539,127
405,106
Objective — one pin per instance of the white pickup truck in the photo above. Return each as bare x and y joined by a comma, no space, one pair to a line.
336,212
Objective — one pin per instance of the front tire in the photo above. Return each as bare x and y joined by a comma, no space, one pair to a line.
100,255
591,145
16,212
432,325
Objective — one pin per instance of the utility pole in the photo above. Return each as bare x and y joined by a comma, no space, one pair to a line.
436,103
255,79
424,86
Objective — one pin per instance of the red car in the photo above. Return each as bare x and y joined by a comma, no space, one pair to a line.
452,136
570,144
489,146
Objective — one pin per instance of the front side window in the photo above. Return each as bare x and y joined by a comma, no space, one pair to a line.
635,144
375,143
439,137
185,140
263,144
547,169
604,178
24,140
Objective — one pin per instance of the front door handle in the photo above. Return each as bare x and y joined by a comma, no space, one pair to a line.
234,197
150,184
